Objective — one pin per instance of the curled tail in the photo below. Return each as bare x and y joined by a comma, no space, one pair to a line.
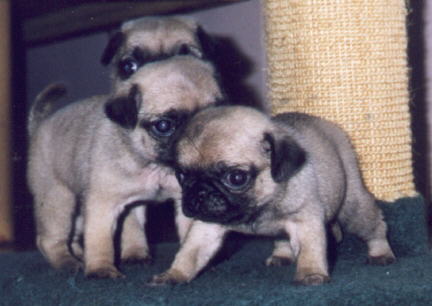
44,105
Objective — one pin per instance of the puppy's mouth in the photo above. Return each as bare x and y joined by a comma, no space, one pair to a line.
213,206
205,205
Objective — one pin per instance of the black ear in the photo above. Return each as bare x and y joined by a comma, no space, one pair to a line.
207,43
286,155
124,110
185,49
111,49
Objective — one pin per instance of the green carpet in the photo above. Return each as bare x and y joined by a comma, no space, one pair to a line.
239,276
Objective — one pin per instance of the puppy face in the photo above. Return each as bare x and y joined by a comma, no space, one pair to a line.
232,164
152,106
150,39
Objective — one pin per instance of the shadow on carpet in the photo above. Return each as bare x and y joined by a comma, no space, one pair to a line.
241,278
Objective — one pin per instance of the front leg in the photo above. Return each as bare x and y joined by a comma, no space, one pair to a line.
308,239
183,223
134,246
201,244
101,217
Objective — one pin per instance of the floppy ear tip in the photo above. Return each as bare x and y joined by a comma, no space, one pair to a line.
124,110
115,110
114,43
287,157
297,155
134,92
207,42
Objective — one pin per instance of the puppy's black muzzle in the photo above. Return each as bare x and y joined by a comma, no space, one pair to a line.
203,201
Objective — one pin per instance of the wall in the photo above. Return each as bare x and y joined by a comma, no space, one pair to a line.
76,61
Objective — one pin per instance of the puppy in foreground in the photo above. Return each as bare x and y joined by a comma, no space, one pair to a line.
92,159
287,176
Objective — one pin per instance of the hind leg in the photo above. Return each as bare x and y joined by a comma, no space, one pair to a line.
336,232
134,247
282,254
54,211
362,217
76,243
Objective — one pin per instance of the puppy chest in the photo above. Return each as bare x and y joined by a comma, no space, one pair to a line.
266,226
157,181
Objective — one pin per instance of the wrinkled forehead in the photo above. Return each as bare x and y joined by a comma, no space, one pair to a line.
160,36
178,82
208,143
172,92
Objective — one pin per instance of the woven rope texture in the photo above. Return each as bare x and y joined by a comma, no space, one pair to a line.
346,60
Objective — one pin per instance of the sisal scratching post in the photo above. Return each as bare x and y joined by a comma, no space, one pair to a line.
346,61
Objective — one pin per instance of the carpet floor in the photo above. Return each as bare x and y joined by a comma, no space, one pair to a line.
239,277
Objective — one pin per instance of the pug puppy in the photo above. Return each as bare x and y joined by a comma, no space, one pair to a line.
148,39
92,159
287,176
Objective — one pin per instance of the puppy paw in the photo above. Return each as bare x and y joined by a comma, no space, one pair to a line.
138,260
168,278
381,260
104,272
278,261
143,259
312,280
69,265
136,255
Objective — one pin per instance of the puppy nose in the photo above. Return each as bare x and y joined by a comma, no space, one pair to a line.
202,193
195,202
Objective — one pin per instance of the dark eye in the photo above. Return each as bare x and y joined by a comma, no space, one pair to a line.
127,67
163,127
236,179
